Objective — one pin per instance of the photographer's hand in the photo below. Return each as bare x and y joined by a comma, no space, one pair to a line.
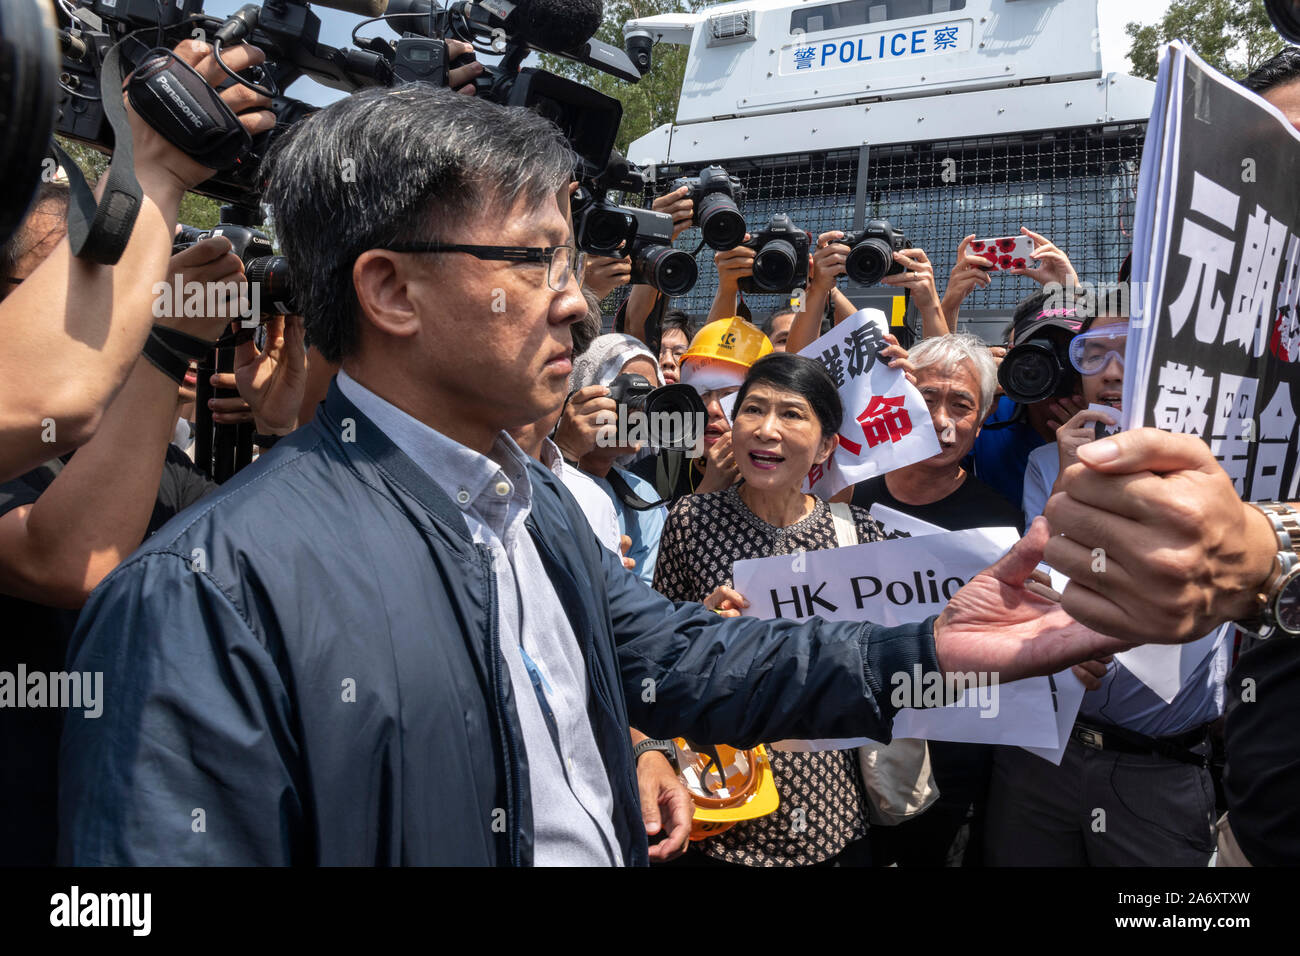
733,265
679,206
1055,264
720,468
589,410
970,273
164,171
607,273
271,382
461,78
919,278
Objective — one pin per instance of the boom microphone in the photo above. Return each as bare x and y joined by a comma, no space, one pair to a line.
362,8
554,26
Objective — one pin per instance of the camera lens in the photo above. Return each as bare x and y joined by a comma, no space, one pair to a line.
868,262
774,266
272,274
603,230
679,414
671,271
720,221
1030,373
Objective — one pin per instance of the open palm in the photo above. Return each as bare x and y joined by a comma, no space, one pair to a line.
997,625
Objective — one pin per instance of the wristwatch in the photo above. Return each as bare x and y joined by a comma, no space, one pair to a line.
666,747
1279,603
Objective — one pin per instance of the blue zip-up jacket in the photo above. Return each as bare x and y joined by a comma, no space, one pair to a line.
305,668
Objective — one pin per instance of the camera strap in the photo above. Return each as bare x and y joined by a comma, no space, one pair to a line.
630,497
175,100
99,230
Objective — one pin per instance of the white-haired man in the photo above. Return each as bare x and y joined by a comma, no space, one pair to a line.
956,375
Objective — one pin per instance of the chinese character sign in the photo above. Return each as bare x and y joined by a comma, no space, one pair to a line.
1214,350
886,422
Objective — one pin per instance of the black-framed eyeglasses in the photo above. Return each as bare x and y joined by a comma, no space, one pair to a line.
561,261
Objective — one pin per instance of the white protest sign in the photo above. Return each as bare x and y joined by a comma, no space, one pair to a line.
886,422
894,582
1165,668
1067,690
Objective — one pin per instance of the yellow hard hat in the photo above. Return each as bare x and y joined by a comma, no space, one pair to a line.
727,786
730,340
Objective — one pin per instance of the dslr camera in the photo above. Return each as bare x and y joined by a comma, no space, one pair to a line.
780,258
1038,368
871,253
669,418
270,283
603,228
715,195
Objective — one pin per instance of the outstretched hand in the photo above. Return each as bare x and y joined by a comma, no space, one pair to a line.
997,625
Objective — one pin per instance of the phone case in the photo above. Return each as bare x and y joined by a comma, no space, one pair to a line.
1009,252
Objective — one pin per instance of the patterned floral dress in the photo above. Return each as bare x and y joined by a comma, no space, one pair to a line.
822,805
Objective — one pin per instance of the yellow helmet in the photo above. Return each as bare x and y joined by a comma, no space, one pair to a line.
731,340
727,786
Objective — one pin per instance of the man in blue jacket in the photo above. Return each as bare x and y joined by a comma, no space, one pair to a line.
394,639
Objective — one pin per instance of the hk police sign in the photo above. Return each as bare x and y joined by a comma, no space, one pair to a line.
809,54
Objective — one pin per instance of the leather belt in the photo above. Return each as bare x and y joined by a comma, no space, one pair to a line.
1107,737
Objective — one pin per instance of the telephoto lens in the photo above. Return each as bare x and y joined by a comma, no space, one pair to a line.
272,274
671,271
1034,370
774,266
871,256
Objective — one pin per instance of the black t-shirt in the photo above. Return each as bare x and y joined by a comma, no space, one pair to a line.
36,637
1262,779
973,505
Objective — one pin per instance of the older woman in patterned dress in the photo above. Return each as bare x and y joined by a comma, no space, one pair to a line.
785,420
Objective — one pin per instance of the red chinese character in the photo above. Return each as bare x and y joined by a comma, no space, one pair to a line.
885,419
815,474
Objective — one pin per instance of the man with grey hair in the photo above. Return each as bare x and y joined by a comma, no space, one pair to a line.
394,639
956,375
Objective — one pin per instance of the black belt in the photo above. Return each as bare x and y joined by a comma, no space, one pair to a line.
1178,747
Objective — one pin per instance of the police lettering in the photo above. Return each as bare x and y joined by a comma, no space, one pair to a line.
919,590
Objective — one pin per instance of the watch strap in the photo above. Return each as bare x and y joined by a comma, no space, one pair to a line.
666,747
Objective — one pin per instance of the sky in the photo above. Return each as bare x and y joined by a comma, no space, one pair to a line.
336,29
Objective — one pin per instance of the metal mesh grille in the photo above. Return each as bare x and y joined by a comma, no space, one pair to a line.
1076,187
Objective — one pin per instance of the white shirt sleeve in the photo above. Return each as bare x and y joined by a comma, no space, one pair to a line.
1040,475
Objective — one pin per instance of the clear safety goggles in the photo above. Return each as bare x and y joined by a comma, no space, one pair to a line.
1091,351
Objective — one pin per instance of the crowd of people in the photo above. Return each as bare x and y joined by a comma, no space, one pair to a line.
445,618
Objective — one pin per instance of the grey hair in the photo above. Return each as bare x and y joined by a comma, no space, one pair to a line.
391,165
585,330
948,351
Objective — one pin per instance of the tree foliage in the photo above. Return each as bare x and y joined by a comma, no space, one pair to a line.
653,101
1233,36
196,210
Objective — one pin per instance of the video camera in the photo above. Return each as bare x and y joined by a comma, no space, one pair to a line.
780,258
289,33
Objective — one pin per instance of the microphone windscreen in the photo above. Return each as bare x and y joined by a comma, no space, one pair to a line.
559,25
362,8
